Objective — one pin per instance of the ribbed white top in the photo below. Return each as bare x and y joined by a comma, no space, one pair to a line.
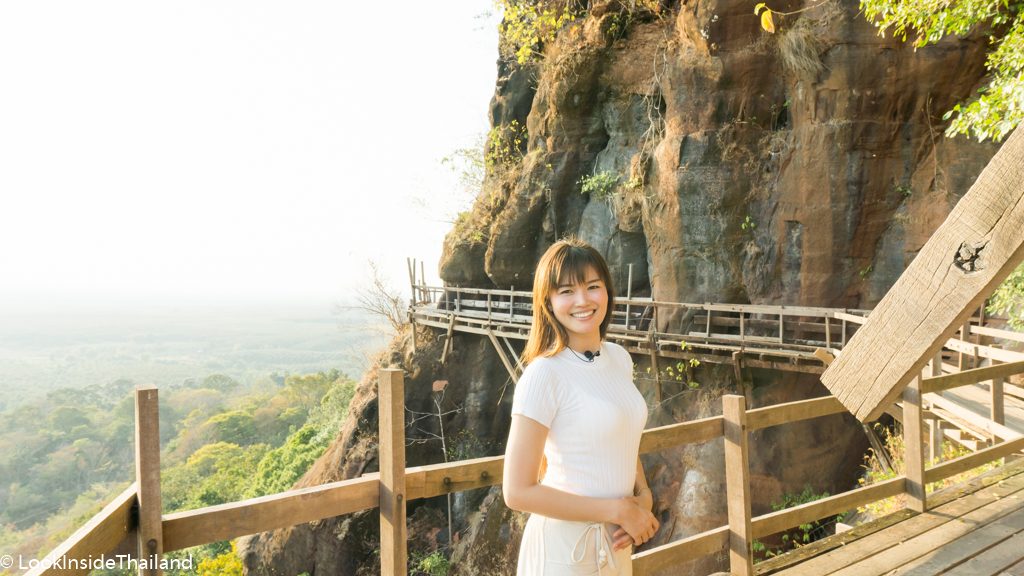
595,416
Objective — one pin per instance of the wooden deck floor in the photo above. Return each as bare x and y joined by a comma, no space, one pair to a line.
973,530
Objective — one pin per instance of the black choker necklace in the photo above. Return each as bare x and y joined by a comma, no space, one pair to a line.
587,355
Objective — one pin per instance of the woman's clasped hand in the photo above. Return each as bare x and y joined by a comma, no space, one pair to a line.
636,523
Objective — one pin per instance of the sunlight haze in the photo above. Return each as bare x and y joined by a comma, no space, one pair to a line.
232,150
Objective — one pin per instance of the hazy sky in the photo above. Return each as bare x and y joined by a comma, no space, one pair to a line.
231,150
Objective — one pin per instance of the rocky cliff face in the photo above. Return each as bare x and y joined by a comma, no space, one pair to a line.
806,167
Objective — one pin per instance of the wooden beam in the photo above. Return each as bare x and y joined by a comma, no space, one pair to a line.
971,461
391,419
973,376
792,412
977,246
710,542
737,485
504,359
255,515
147,476
672,435
806,513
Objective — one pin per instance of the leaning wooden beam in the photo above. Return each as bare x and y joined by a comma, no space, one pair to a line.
504,358
977,246
100,535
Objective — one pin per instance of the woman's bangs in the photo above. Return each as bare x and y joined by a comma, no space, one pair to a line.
572,269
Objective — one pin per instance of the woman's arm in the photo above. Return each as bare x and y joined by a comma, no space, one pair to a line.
521,490
641,490
645,500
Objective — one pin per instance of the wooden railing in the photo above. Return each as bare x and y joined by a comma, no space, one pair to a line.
122,524
773,337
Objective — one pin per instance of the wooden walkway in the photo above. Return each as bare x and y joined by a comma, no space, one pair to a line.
973,530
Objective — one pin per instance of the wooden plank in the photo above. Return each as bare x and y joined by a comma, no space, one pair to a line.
997,333
100,535
883,540
147,476
859,320
817,548
971,461
737,484
995,559
672,435
943,497
978,421
391,419
945,554
255,515
977,246
984,351
913,455
445,478
811,511
650,561
792,412
972,376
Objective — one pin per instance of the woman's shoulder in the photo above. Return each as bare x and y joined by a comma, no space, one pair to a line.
541,366
618,351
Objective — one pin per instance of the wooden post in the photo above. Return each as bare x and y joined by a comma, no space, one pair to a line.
629,292
707,326
423,278
828,334
488,307
998,411
781,330
935,437
913,456
511,303
737,485
742,316
652,338
147,474
935,367
960,355
391,419
844,332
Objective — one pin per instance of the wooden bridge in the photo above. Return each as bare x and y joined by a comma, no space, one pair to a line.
974,528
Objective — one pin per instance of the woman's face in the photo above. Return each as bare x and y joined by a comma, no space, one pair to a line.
580,308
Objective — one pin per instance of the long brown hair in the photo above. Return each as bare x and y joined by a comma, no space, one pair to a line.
565,261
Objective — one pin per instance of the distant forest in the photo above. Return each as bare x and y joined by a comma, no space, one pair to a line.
65,451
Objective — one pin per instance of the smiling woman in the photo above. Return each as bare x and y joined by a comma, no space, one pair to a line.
577,409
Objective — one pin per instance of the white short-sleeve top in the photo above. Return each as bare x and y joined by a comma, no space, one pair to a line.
595,416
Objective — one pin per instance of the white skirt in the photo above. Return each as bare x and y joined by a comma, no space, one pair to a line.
553,547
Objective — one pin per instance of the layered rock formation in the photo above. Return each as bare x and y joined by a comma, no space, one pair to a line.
805,167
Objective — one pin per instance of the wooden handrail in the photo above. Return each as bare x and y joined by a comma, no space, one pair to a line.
793,412
105,531
972,376
775,522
